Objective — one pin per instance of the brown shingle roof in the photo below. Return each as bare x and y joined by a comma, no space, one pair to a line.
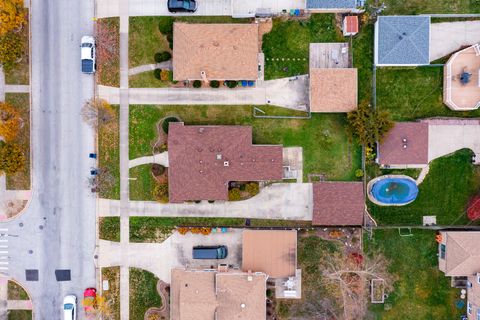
271,251
462,255
338,203
222,51
207,295
203,159
333,89
392,151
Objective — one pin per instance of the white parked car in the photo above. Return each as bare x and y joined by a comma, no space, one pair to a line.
70,307
88,54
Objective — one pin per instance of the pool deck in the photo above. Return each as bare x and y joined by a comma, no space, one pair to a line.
388,176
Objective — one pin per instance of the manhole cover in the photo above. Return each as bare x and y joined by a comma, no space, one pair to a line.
31,275
62,275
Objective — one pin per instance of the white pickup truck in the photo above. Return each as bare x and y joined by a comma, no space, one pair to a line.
88,54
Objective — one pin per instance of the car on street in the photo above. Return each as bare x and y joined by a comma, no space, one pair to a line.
70,307
182,6
89,297
209,252
88,54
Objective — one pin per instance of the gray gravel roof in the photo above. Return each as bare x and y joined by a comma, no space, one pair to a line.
403,40
331,4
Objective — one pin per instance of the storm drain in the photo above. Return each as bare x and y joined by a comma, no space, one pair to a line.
62,275
31,274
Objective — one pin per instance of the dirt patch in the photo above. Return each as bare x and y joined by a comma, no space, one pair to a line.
264,26
349,238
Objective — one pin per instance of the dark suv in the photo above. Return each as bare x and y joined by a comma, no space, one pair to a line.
182,5
209,252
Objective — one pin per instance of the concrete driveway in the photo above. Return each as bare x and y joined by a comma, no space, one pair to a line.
447,136
447,37
183,244
110,8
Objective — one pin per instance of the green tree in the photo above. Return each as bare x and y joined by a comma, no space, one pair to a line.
369,125
12,158
11,50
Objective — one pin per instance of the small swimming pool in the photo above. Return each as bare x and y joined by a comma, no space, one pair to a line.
392,190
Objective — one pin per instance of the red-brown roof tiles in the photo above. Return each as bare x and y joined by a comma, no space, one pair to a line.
338,203
204,159
405,144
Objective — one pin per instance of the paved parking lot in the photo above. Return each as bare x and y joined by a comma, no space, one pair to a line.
182,247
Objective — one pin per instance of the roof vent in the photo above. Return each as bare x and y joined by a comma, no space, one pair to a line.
250,278
226,164
243,305
201,130
219,157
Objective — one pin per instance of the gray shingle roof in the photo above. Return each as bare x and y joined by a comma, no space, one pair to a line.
403,40
331,4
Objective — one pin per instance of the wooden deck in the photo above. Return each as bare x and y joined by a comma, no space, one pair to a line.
329,55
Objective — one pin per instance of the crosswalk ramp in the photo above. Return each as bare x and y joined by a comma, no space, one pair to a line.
4,257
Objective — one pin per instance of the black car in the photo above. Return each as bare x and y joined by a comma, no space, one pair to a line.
182,5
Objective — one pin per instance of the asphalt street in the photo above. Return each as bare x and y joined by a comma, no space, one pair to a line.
58,229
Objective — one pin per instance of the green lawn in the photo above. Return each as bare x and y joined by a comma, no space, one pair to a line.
19,314
151,229
142,183
402,7
16,291
143,293
145,38
326,146
108,55
412,93
109,228
445,192
20,74
21,102
146,80
112,296
421,291
109,154
291,39
362,52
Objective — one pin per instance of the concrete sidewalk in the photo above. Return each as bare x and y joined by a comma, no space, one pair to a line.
150,67
160,158
286,201
448,37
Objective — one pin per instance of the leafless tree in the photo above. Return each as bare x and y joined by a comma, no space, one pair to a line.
96,112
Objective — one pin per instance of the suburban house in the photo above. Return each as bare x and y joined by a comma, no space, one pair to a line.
402,41
350,26
333,81
405,146
461,80
337,6
459,258
221,294
273,252
338,203
204,159
228,51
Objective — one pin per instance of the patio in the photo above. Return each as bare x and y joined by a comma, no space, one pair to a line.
461,80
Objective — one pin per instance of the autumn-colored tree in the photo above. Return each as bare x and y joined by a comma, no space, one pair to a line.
12,15
160,192
9,122
98,308
96,112
11,50
369,125
12,158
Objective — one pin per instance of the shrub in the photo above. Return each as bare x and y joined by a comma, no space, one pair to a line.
231,83
11,49
9,122
160,192
214,84
253,188
13,15
162,56
165,25
166,122
234,194
170,41
157,169
197,84
183,230
166,75
157,73
12,158
359,173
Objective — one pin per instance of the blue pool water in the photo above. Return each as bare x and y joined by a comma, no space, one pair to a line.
395,190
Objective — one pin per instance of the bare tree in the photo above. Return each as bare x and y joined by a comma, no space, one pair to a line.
96,112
